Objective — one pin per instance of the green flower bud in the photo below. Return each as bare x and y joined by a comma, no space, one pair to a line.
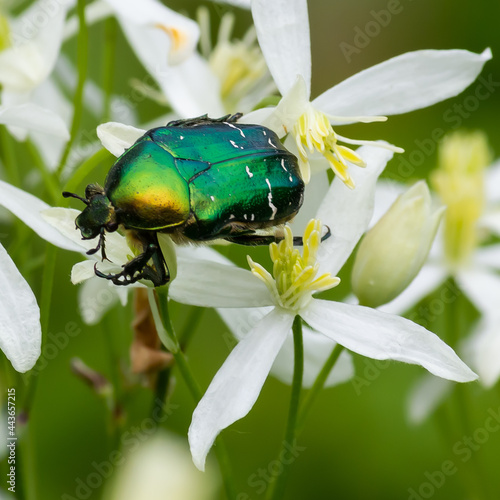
394,250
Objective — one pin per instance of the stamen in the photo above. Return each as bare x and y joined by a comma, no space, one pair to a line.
313,131
294,277
459,181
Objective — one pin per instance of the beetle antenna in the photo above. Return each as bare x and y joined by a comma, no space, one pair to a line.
67,194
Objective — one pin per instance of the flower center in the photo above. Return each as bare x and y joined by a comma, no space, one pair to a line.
459,181
294,277
314,132
239,64
4,33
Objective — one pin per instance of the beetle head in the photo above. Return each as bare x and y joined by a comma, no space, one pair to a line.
97,217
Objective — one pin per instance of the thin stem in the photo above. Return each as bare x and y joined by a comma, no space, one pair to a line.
109,52
277,489
86,168
191,325
193,387
50,182
9,156
472,477
318,385
82,64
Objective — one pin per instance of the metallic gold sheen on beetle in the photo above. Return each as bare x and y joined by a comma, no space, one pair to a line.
197,180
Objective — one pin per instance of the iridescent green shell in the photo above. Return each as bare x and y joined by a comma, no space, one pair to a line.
204,179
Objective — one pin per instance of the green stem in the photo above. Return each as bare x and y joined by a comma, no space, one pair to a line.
9,156
46,294
318,385
109,52
51,183
277,490
472,476
85,169
82,64
191,326
193,387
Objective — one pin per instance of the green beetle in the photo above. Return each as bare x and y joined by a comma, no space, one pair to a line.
198,180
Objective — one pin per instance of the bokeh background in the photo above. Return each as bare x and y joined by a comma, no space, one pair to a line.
357,442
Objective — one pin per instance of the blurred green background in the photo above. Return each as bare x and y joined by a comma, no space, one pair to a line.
357,443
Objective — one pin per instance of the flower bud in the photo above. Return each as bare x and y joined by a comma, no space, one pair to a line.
394,250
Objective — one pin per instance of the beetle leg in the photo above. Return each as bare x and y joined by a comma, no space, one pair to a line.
253,239
259,239
138,268
297,240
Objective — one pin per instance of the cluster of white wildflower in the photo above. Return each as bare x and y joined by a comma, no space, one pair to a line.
260,306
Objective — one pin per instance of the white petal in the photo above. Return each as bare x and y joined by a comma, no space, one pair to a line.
290,108
483,350
242,320
259,116
191,88
426,396
20,329
32,117
488,256
50,95
27,208
482,287
380,335
430,277
201,253
314,193
492,184
490,221
242,4
404,83
96,297
35,47
317,349
21,70
210,284
155,30
117,138
63,220
347,212
237,385
283,33
82,271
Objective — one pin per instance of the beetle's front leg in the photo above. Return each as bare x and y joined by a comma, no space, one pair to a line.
138,268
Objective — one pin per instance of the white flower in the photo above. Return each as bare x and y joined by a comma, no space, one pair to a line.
35,40
393,251
161,468
405,83
20,329
238,64
471,191
31,117
369,332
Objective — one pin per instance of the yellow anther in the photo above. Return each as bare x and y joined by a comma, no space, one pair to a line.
314,132
294,277
459,181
